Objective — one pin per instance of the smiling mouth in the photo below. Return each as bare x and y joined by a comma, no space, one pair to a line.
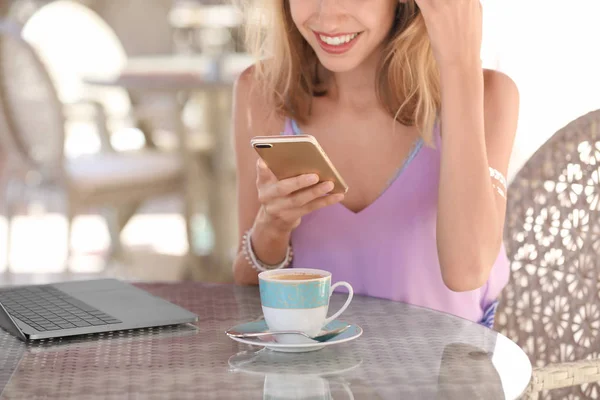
338,40
337,44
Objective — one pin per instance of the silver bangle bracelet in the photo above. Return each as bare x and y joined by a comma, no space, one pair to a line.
497,175
255,263
499,190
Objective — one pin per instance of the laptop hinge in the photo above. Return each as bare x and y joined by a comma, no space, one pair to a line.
10,325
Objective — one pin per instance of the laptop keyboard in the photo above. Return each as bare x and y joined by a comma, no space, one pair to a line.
46,308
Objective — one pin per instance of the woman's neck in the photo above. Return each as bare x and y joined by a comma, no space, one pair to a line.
356,88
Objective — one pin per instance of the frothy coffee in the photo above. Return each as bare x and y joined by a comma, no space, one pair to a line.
296,277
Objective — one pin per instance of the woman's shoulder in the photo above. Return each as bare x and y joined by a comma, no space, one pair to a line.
498,82
246,87
252,105
246,79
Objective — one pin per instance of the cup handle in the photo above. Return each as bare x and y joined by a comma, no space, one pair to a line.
346,304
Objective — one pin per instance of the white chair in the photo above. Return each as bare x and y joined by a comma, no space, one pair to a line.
33,118
96,51
74,43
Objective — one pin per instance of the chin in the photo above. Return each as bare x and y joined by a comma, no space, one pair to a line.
339,65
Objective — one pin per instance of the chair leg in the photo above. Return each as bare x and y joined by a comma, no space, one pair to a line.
70,217
111,216
9,212
116,220
146,129
124,214
9,217
530,394
188,214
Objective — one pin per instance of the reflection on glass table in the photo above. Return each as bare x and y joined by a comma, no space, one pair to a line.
316,375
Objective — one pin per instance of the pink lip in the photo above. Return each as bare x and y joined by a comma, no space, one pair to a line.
339,49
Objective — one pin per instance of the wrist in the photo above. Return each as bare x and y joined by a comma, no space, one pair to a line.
269,233
462,85
269,244
271,228
256,262
461,70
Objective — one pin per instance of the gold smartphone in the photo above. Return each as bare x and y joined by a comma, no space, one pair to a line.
290,156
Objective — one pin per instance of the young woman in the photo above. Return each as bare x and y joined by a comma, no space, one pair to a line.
395,93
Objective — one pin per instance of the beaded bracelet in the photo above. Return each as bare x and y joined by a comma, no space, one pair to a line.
499,190
255,262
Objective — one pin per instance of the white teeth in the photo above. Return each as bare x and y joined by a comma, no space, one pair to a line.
338,40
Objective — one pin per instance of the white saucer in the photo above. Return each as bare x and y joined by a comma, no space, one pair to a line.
306,344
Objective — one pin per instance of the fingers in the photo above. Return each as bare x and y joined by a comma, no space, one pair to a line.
322,202
288,200
263,174
307,195
294,214
285,187
435,4
299,199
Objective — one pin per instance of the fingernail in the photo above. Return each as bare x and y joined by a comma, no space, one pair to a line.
312,178
328,186
261,163
338,197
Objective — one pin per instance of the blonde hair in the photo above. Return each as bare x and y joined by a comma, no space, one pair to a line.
408,79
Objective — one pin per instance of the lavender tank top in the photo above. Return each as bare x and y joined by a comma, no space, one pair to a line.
388,250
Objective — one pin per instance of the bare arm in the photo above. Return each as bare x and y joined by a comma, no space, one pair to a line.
272,208
250,118
479,119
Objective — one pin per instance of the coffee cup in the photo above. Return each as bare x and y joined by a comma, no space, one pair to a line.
298,299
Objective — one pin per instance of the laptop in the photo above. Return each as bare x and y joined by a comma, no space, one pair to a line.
84,307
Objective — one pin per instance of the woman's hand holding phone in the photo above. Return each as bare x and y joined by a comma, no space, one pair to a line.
284,202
